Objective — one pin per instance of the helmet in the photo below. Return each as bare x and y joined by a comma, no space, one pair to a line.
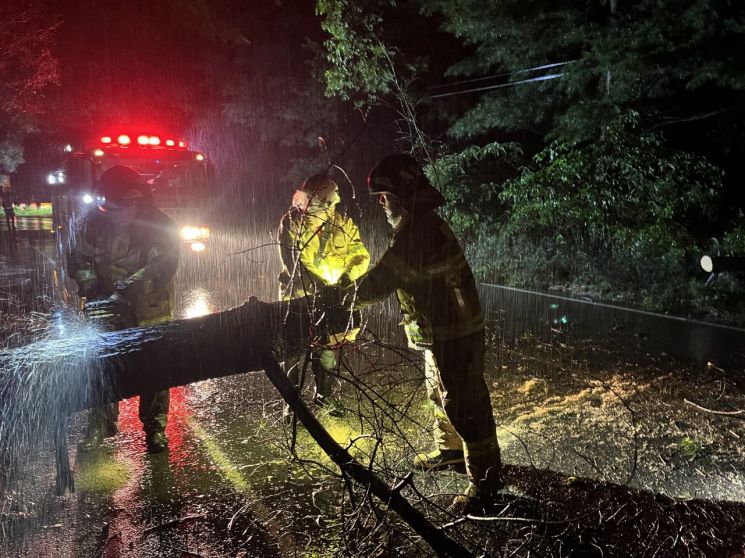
401,176
319,192
120,185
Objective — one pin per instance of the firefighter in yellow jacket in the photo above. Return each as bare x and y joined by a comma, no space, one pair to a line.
126,253
319,246
425,266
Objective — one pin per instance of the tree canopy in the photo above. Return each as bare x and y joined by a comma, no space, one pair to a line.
27,69
608,129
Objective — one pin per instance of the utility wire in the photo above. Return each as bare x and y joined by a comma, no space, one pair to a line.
505,74
498,86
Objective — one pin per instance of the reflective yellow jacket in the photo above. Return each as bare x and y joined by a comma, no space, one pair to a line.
138,262
318,250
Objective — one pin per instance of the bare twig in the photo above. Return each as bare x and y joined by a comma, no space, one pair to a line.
735,414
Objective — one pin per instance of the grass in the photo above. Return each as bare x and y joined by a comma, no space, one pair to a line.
43,209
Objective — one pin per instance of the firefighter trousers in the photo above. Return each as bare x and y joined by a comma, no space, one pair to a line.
464,420
153,413
322,360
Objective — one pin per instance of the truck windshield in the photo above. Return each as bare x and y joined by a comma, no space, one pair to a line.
174,183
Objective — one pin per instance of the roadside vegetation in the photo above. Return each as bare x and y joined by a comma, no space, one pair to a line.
589,147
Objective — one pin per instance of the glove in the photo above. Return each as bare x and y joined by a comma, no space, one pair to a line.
345,282
284,278
111,314
329,296
120,304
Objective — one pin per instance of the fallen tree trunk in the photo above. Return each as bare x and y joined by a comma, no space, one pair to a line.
86,367
77,367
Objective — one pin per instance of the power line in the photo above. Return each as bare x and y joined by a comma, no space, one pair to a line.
498,86
505,74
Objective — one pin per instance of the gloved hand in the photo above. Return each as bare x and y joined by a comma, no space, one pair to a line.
121,306
284,278
341,322
111,313
328,296
345,282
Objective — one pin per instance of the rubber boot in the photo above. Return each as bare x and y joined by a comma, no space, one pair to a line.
321,365
484,470
101,424
153,413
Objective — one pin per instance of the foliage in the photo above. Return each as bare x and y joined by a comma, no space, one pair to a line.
613,214
359,60
471,181
376,54
691,448
27,69
671,60
610,203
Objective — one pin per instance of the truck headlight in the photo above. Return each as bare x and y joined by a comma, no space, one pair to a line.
192,234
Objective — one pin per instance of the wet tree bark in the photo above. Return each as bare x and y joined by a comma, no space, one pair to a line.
92,369
42,383
187,351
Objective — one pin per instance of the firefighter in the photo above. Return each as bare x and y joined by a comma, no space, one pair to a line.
425,266
319,245
9,210
126,255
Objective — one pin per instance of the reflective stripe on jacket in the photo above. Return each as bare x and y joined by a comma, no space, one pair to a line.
425,266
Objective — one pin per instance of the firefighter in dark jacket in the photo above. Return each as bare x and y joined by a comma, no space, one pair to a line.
425,266
126,253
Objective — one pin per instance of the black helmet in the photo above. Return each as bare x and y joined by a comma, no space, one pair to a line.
120,185
401,176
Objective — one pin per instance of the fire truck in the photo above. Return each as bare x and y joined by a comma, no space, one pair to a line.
182,181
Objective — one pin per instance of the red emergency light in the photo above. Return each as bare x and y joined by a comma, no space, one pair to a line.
142,140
